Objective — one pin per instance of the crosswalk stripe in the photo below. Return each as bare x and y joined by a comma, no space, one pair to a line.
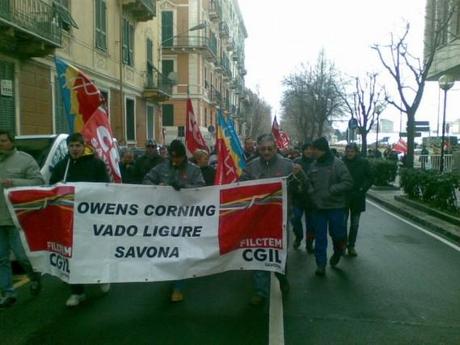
276,319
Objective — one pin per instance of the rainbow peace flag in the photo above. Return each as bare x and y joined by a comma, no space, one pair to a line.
230,156
80,95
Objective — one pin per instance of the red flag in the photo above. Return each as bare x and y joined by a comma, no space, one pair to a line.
281,138
193,138
400,146
98,133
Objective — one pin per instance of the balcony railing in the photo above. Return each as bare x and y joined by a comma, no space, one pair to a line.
208,45
215,9
141,10
215,96
34,21
224,30
157,86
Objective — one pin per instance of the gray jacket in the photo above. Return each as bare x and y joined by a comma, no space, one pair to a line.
329,180
23,170
187,175
278,166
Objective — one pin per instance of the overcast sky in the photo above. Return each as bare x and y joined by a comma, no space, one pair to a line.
284,34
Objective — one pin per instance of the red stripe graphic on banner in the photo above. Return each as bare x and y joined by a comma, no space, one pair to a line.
251,216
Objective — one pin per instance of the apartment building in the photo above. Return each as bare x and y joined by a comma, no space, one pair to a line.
115,42
202,50
442,24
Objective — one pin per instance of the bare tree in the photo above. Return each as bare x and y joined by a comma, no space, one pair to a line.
256,114
365,104
409,73
311,100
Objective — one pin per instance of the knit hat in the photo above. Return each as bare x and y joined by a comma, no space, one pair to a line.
177,148
321,144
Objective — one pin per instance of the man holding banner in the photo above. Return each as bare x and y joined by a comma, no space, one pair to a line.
179,173
81,165
268,164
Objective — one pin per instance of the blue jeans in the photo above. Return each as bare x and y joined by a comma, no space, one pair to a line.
296,221
354,224
334,220
262,282
10,241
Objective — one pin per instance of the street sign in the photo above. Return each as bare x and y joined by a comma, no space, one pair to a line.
422,129
353,123
422,123
404,134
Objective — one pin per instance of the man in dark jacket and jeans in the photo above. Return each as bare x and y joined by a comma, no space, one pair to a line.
361,174
81,165
329,181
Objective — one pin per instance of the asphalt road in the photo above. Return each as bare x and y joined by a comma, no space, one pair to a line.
403,288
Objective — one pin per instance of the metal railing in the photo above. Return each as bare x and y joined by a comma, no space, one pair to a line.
191,42
35,17
433,162
155,80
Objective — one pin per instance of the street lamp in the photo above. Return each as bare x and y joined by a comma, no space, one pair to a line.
378,111
445,83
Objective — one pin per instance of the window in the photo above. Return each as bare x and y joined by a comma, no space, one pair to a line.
130,120
168,114
150,66
128,43
150,122
181,131
62,10
167,66
7,103
101,25
105,101
167,28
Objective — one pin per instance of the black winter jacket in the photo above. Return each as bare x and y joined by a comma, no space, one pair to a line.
361,174
87,168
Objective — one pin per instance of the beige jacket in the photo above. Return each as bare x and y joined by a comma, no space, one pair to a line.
23,170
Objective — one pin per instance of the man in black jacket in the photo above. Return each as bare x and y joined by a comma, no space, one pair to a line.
148,161
81,165
302,204
361,174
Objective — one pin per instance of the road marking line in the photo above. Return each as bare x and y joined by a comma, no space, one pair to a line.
439,238
276,319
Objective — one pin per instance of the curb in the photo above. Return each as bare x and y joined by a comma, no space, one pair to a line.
431,211
435,228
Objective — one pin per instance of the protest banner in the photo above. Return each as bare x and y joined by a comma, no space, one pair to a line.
89,233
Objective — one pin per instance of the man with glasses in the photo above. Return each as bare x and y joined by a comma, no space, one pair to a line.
148,161
269,164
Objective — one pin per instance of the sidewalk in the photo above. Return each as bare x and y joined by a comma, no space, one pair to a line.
433,220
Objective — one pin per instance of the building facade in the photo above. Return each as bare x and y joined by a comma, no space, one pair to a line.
442,33
202,50
197,44
115,43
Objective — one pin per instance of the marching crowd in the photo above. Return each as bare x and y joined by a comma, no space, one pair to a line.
324,191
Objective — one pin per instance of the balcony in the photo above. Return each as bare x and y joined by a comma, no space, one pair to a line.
140,10
202,44
215,10
28,28
158,88
230,45
215,96
224,30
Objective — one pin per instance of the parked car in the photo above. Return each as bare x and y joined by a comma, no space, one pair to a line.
46,149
